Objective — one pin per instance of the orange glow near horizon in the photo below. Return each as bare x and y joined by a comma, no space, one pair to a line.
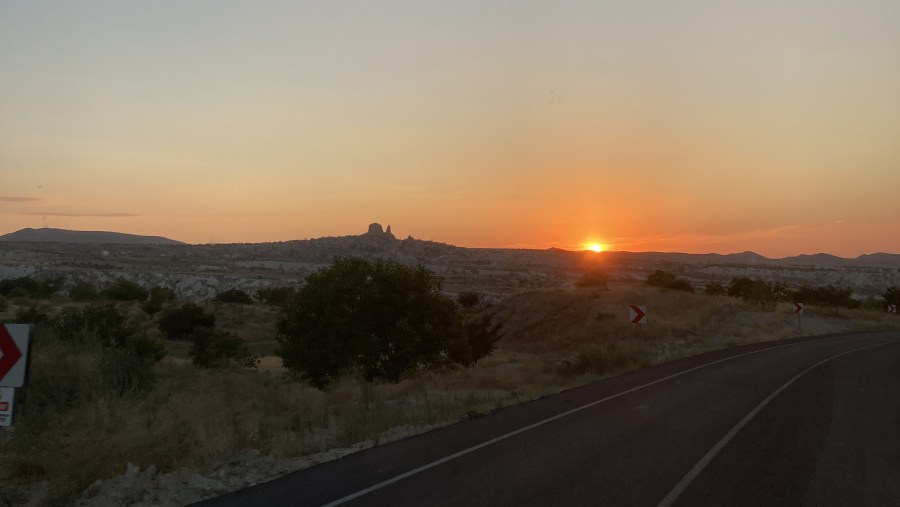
605,127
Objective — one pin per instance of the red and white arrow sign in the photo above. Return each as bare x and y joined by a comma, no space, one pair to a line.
14,347
892,308
798,307
638,314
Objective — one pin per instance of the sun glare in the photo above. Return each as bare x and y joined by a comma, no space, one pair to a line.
595,247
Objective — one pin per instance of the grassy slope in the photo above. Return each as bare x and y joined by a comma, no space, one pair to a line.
196,419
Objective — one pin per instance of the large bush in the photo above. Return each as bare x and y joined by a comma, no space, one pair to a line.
826,295
180,323
213,348
27,287
667,280
379,319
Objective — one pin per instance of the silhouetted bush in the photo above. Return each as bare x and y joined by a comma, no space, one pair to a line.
278,296
27,287
124,290
595,278
233,296
159,296
379,319
180,323
468,299
765,294
826,295
667,280
212,349
715,289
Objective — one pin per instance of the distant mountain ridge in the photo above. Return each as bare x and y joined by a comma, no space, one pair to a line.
49,235
379,242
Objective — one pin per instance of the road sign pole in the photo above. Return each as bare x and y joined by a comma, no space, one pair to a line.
800,323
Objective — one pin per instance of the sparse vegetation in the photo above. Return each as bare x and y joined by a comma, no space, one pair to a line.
715,289
125,290
27,287
379,319
84,291
79,424
594,278
667,280
159,296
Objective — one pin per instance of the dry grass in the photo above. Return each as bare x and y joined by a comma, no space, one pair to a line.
197,419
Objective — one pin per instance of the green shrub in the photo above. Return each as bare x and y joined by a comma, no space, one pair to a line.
159,296
180,323
27,287
212,349
233,296
379,319
124,290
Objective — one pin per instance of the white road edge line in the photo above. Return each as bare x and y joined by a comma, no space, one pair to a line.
492,441
694,472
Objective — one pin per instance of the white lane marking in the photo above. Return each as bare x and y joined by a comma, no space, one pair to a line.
492,441
694,472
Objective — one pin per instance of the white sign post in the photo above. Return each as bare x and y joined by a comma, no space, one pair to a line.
14,340
637,314
798,309
7,395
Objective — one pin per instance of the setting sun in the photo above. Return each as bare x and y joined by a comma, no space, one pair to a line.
595,247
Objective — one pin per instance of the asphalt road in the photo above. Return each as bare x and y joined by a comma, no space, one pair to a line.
797,422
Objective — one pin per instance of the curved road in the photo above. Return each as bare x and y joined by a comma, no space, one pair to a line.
796,422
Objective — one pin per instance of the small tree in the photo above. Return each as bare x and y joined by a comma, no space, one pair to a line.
379,319
180,323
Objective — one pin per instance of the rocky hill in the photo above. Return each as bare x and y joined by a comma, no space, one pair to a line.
48,235
201,271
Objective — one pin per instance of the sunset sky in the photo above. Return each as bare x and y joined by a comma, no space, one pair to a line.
693,126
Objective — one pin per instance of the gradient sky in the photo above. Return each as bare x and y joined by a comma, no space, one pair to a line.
694,126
